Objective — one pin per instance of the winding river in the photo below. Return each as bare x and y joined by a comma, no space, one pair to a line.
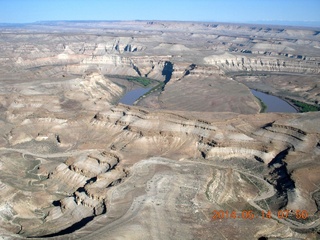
274,104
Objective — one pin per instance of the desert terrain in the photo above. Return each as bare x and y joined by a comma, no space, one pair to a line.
76,163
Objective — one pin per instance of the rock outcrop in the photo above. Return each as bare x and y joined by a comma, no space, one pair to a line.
255,63
265,150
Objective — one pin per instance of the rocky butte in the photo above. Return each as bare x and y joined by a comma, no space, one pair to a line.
193,158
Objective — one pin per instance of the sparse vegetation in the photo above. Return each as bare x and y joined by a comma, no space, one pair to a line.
305,107
263,106
142,80
159,86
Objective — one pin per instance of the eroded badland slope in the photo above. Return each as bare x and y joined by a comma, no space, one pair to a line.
75,164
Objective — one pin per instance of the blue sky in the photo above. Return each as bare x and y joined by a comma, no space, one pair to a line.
25,11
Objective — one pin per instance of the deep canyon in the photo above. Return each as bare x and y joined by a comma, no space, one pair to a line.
77,164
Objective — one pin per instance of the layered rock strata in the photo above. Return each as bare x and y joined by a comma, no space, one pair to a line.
75,164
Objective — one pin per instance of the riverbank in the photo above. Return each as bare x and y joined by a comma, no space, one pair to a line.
147,87
302,106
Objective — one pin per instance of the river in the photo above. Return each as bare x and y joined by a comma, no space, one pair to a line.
130,97
273,103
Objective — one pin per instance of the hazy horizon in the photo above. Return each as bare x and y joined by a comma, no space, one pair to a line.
276,12
307,24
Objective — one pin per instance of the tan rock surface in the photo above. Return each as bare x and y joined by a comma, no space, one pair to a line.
74,164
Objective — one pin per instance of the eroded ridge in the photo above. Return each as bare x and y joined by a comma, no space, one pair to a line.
259,158
78,186
271,147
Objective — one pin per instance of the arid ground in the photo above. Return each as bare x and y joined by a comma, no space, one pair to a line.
192,159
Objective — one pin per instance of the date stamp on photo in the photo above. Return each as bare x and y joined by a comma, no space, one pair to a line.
250,215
